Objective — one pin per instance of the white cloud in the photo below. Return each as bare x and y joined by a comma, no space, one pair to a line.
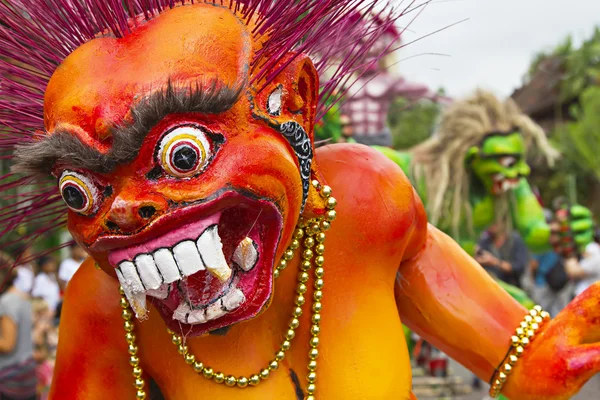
494,48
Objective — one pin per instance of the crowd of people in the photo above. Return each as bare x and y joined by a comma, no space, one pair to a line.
30,305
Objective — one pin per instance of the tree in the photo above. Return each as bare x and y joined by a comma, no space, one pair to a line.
412,123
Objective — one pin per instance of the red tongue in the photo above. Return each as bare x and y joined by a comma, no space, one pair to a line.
203,287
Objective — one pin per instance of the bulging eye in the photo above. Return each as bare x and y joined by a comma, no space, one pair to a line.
79,192
184,151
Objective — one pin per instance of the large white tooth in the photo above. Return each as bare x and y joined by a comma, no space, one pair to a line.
196,317
131,278
161,293
148,271
215,311
181,312
166,265
211,248
187,257
136,300
505,186
246,255
233,299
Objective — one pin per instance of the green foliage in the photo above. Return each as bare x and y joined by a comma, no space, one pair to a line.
330,126
582,67
412,123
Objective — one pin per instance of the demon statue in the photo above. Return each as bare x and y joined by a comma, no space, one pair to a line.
180,136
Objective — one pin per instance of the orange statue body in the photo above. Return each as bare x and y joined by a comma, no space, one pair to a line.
169,137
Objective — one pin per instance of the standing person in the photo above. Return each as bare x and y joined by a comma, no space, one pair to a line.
587,270
17,366
25,272
504,255
46,283
70,265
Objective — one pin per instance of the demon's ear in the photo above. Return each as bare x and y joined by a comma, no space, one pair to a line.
292,95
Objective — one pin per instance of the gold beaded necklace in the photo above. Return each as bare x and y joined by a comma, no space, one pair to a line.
313,232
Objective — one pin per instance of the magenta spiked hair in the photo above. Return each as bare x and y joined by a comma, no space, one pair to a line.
37,35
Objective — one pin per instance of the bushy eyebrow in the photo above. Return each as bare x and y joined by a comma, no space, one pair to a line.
39,157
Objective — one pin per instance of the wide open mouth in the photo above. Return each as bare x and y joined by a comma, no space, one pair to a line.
210,270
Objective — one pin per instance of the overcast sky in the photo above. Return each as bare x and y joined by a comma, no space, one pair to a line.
494,47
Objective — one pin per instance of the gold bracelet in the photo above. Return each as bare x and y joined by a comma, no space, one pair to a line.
524,334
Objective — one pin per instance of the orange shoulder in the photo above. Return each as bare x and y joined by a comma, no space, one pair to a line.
375,199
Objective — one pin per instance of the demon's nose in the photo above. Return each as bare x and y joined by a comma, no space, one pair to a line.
132,214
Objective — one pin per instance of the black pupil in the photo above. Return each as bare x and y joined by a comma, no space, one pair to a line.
73,197
185,158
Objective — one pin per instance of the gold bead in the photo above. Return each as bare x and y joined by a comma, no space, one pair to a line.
320,249
310,398
520,332
331,215
282,264
137,372
326,191
331,203
208,372
314,342
538,320
534,327
198,366
134,361
140,395
295,243
294,323
311,377
139,383
524,342
530,334
317,306
301,288
297,312
300,300
254,380
318,295
307,254
288,255
320,260
538,308
285,345
512,359
126,314
319,272
298,234
273,365
507,369
524,325
528,319
121,291
280,355
311,388
124,303
264,374
242,382
316,318
289,335
545,315
320,237
312,365
276,274
190,358
502,377
181,349
303,277
305,265
319,284
313,354
316,184
315,330
128,326
515,341
314,228
219,377
309,242
325,225
533,313
230,380
132,349
519,351
176,340
130,337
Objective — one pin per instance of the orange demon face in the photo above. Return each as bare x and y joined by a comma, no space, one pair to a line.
183,180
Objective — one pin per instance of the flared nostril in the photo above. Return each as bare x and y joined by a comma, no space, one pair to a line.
112,226
147,212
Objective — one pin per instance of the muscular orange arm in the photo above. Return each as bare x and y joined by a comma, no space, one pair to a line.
448,299
91,360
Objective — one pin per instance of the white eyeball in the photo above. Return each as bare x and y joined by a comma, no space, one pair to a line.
184,151
79,192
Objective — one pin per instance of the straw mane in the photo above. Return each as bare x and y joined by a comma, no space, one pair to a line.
440,160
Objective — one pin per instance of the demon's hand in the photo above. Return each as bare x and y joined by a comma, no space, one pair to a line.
563,355
573,230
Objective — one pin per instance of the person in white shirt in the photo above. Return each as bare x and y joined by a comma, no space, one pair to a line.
46,285
70,265
587,270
